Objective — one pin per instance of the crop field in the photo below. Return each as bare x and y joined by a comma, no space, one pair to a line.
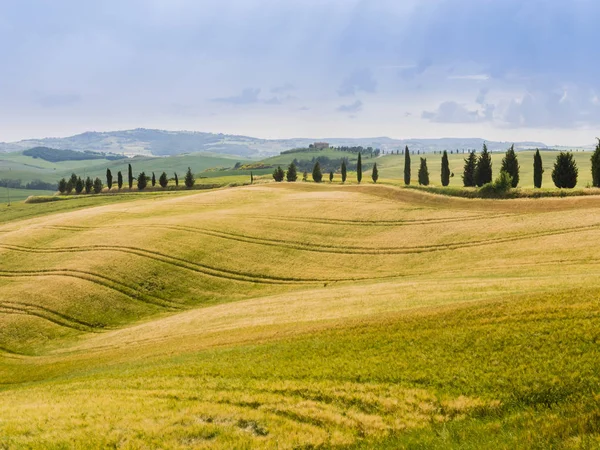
299,315
392,167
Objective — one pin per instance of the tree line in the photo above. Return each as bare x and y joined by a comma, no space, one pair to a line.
477,170
79,185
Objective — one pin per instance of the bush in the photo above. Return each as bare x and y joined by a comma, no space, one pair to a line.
142,181
278,174
500,186
316,173
97,186
291,175
163,180
565,171
189,179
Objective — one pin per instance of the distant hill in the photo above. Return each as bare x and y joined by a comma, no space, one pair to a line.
56,155
163,143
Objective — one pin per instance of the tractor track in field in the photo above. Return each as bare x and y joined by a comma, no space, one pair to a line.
351,250
384,223
182,263
20,308
95,278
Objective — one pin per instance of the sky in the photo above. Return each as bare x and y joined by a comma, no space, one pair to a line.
510,70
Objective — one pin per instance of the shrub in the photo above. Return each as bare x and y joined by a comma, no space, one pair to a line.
510,165
565,171
119,180
331,176
97,186
423,173
469,170
291,175
375,173
317,176
79,185
163,180
189,179
153,179
89,184
176,179
62,186
501,185
142,181
483,169
278,174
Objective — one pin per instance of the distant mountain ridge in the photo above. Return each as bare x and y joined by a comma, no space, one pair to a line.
150,142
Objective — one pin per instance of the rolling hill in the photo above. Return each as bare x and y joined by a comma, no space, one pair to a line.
299,315
164,143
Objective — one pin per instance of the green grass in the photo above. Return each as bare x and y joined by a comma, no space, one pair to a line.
391,167
18,166
18,195
300,316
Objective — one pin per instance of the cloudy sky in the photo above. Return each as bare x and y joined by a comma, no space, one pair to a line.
497,69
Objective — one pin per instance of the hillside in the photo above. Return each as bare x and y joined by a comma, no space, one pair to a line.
299,315
163,143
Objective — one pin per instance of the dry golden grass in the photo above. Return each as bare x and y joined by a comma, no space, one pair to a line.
281,315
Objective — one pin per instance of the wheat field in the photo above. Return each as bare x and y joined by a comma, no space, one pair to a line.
299,315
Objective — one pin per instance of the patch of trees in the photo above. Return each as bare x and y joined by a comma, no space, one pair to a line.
356,150
327,164
56,155
35,184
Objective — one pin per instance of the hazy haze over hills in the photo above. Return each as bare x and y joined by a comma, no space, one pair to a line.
163,143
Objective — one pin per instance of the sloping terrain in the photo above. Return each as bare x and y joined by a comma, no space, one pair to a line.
299,315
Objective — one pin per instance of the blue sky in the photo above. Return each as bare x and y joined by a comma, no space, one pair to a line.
498,69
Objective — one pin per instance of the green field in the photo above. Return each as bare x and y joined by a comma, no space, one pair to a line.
18,166
298,315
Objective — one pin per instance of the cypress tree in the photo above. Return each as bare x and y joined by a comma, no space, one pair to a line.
469,170
62,186
359,169
510,165
291,174
89,184
596,166
565,171
130,176
330,176
69,186
109,179
176,179
142,181
375,173
538,170
423,173
406,166
317,176
119,180
189,179
73,180
163,180
79,185
278,174
97,185
445,169
483,169
344,170
251,178
153,179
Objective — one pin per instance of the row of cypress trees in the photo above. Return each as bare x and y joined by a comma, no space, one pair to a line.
75,182
291,175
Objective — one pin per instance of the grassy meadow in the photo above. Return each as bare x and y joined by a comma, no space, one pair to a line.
298,315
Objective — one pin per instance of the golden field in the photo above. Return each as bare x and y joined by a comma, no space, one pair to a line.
298,315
